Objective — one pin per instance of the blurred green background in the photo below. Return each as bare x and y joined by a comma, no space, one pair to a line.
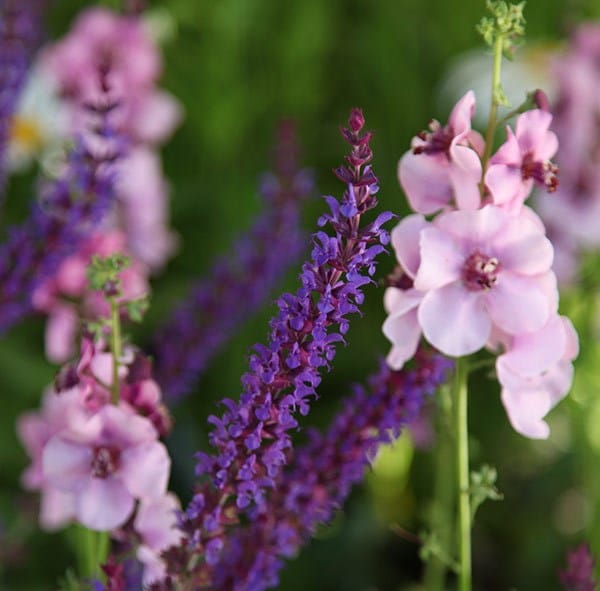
238,66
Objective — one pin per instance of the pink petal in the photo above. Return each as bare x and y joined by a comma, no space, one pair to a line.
155,521
157,117
462,114
61,330
104,504
572,348
525,412
400,301
405,240
404,332
57,508
535,352
517,304
123,428
465,176
473,227
442,259
454,320
66,465
426,181
509,153
506,185
533,135
523,248
145,469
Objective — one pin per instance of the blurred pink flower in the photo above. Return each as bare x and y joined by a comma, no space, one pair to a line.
443,164
55,296
522,160
111,460
156,522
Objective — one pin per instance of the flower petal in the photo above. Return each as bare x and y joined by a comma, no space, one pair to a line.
66,465
104,504
405,240
454,320
441,259
145,469
426,181
404,332
465,176
517,304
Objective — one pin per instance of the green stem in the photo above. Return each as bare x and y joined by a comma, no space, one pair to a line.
441,515
491,128
462,456
115,335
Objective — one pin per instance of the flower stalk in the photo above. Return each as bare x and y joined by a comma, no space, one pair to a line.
462,459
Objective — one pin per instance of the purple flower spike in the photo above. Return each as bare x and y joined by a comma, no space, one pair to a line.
68,209
238,284
19,36
323,472
307,328
579,574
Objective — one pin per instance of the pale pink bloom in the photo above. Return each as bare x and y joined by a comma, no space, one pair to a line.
443,165
536,373
482,269
144,200
156,524
121,46
109,462
522,160
402,327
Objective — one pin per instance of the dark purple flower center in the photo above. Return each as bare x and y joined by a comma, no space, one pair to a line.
437,141
543,172
106,461
480,272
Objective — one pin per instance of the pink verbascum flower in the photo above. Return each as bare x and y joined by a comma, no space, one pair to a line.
524,159
156,524
536,373
482,269
107,463
443,165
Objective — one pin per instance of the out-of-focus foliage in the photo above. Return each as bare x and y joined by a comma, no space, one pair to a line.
238,66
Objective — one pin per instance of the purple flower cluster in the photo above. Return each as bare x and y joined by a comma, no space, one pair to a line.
252,437
324,471
239,283
579,574
19,36
68,208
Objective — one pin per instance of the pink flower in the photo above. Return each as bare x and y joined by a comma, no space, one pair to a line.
536,373
106,463
442,165
156,522
522,160
482,269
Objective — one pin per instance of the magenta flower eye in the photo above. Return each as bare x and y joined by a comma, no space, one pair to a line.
480,272
436,141
105,461
544,172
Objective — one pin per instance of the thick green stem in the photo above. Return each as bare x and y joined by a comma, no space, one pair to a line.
462,456
442,508
115,336
491,128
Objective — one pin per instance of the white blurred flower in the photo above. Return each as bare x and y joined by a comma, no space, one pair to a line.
530,69
39,125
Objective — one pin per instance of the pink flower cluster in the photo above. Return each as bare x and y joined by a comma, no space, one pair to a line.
573,216
110,57
99,463
479,274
